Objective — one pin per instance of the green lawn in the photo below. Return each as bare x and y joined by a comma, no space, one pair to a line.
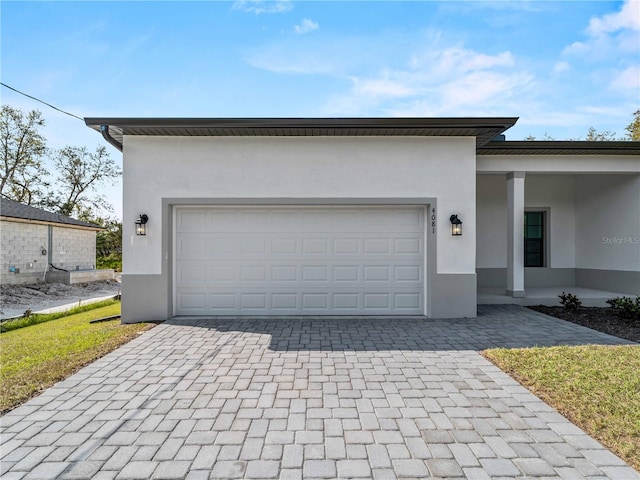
35,357
596,387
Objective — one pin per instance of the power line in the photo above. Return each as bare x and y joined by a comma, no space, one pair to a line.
41,101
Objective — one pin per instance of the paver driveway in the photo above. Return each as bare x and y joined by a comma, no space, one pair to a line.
308,398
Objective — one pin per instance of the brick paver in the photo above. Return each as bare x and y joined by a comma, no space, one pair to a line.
310,398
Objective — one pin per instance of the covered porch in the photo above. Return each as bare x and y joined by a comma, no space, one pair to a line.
565,217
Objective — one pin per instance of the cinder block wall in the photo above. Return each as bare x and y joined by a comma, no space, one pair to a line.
22,245
73,249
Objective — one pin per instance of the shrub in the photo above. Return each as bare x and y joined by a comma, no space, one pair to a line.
569,301
113,260
626,308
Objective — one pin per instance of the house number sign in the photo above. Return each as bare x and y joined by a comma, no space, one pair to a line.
433,220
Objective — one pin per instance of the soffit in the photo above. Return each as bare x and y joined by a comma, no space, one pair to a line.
484,129
568,147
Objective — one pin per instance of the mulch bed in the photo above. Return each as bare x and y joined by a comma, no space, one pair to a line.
601,319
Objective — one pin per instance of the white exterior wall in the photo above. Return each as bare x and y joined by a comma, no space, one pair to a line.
299,168
555,192
491,249
558,163
608,222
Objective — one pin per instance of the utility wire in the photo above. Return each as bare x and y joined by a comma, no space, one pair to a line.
41,101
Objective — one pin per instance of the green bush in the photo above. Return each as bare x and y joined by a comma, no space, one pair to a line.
569,301
626,308
113,260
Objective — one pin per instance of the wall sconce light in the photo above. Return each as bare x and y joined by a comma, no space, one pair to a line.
456,225
141,224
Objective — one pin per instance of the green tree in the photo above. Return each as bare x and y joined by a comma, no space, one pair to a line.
22,147
80,174
605,136
545,137
109,243
633,129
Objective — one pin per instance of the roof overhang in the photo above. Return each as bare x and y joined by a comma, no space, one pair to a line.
567,147
483,129
6,218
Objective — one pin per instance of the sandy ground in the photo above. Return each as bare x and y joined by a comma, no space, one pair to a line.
15,299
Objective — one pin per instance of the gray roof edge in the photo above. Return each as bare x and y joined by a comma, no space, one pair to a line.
12,209
271,122
577,146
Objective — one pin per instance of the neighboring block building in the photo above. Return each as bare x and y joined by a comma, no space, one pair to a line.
360,216
34,240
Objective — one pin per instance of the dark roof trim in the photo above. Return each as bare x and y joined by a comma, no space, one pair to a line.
484,129
564,147
104,129
353,122
12,209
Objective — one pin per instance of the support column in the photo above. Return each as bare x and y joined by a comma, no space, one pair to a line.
515,233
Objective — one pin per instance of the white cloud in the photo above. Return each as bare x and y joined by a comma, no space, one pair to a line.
611,35
627,17
560,67
337,56
306,26
627,79
263,6
380,87
449,81
282,60
612,44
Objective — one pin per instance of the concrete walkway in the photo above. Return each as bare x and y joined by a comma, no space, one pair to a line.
309,398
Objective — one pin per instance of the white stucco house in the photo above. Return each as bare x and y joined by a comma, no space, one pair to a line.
355,216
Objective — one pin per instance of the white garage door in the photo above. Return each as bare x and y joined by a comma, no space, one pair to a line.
299,260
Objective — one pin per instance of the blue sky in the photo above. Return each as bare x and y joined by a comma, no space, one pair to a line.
561,67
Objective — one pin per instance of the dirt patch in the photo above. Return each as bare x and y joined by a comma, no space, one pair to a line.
18,298
602,319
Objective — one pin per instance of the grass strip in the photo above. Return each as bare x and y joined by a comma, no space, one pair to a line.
34,358
596,387
35,318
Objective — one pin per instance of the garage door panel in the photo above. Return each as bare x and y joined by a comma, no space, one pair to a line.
374,301
284,246
285,301
253,246
408,273
376,246
411,246
346,273
191,272
191,221
309,274
409,301
253,301
346,246
315,246
284,273
220,301
315,273
299,303
378,273
299,260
